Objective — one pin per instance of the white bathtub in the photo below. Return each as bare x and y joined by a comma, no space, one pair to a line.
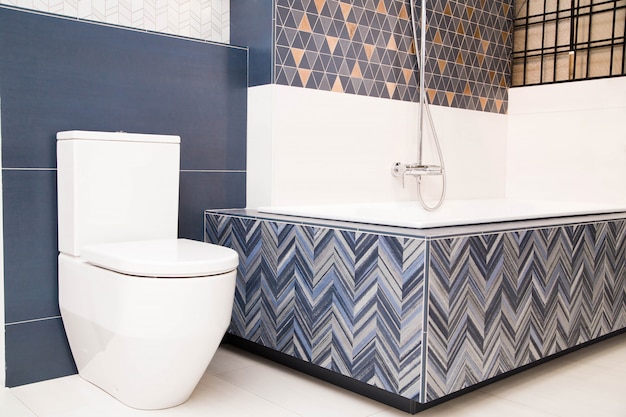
452,213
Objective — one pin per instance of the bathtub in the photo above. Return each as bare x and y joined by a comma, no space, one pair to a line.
414,315
452,213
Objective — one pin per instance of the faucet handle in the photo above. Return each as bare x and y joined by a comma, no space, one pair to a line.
398,170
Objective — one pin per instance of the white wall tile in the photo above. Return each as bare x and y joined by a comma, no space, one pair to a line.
329,147
141,12
28,4
97,11
40,4
578,95
569,147
207,20
124,10
84,9
147,13
202,19
63,7
259,146
195,19
474,148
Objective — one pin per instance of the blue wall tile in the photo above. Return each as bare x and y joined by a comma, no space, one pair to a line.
61,74
202,190
36,351
30,244
252,25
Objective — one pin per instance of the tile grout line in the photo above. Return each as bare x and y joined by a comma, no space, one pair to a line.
32,320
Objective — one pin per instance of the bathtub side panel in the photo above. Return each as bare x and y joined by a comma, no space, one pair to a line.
472,311
347,301
500,301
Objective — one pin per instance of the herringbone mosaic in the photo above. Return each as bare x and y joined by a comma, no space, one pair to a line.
355,302
501,301
347,301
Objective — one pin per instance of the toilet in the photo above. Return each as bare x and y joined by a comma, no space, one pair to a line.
144,312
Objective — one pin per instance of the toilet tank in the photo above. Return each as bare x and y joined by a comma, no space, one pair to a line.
115,187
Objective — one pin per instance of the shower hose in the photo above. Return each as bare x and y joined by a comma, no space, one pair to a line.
424,105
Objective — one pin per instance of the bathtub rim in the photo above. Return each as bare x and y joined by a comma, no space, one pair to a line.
430,233
454,213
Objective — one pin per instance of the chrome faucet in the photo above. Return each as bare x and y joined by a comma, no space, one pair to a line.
398,169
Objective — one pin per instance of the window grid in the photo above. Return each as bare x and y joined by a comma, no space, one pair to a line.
567,40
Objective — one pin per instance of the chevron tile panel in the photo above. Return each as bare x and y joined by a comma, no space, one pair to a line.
348,301
500,301
472,305
354,302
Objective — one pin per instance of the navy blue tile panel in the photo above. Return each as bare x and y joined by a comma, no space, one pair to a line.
202,190
30,244
252,25
63,74
59,74
37,351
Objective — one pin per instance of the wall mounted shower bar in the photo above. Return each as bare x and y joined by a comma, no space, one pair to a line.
419,169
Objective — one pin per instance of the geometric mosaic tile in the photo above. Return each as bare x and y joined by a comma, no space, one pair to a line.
366,47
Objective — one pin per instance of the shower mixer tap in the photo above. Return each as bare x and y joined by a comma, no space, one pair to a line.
398,169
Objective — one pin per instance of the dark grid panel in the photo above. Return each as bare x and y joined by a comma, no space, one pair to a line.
568,40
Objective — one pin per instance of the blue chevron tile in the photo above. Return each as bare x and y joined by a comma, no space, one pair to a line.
354,302
347,301
500,301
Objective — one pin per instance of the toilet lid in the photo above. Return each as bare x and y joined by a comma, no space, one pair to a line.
162,258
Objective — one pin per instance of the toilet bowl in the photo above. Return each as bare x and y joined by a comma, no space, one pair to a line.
144,312
143,338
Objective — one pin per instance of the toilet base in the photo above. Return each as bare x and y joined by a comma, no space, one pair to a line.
145,341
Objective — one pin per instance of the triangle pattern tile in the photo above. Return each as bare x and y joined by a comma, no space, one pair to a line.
378,35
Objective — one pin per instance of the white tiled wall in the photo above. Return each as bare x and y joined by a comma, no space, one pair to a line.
568,141
202,19
559,142
308,146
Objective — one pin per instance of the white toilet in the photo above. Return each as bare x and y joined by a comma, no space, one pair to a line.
144,312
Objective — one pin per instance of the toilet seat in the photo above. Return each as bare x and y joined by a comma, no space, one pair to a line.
169,258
